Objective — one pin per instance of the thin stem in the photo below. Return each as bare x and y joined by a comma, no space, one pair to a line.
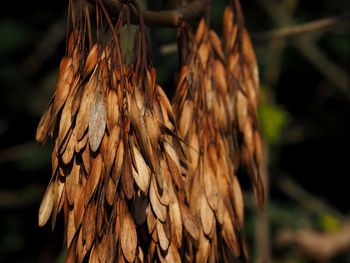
303,28
163,18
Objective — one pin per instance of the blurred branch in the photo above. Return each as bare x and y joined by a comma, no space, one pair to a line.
20,198
16,152
162,18
45,48
262,222
309,49
321,247
307,200
289,31
323,64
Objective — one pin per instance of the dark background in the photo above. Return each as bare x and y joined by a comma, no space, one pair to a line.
304,114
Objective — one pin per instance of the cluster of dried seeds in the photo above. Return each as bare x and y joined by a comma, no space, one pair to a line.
116,162
215,105
136,181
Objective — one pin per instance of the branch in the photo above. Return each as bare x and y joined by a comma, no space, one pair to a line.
306,199
331,71
321,247
303,28
163,18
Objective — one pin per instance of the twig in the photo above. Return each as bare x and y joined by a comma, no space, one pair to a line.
20,198
321,247
307,200
320,61
324,65
294,30
17,152
45,48
163,18
262,222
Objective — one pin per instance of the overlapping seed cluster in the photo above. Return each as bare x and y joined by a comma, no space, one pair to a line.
136,181
242,72
117,168
213,85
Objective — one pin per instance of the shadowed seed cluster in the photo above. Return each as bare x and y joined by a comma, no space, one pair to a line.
140,179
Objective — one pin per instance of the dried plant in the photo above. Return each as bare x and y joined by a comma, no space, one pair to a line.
243,81
215,104
136,182
116,163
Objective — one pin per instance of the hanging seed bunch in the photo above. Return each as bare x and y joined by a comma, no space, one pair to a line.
243,81
213,191
216,104
117,164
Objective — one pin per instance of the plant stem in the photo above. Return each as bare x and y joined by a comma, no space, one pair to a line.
162,18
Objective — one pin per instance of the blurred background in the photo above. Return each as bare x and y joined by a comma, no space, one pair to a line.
303,51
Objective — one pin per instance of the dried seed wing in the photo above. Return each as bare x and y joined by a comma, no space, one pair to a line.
71,182
203,249
128,238
82,143
89,225
112,148
65,80
142,173
68,154
118,163
165,104
227,23
42,131
238,201
241,110
186,118
87,99
216,44
210,185
91,60
162,237
158,208
229,235
58,190
70,228
201,31
220,77
174,165
173,255
97,122
191,225
113,115
151,220
93,178
127,177
175,218
110,192
47,204
207,216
